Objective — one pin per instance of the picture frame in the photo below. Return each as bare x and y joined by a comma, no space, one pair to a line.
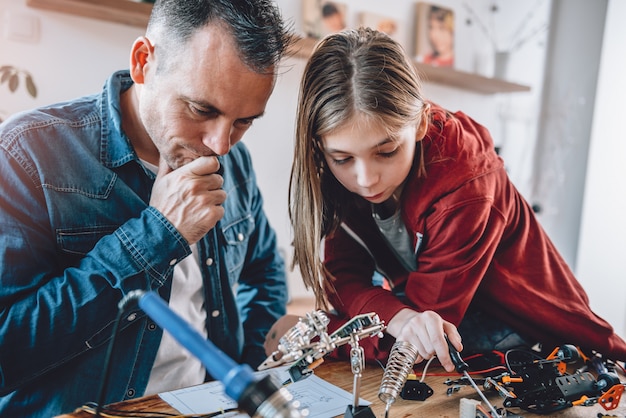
323,17
434,34
379,22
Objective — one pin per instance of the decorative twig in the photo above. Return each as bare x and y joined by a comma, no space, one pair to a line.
518,39
541,28
523,23
486,31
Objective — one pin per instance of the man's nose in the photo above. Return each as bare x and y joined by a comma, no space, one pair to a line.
218,138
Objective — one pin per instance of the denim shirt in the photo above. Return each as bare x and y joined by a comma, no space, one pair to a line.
77,234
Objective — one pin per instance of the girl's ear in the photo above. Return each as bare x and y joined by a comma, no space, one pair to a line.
423,125
141,56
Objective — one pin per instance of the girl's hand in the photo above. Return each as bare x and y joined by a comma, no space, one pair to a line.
426,330
280,328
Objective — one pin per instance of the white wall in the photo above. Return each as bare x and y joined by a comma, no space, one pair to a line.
73,56
566,116
602,246
68,56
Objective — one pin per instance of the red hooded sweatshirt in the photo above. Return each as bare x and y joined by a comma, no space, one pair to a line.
476,240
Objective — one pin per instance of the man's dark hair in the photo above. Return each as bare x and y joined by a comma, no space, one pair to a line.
256,26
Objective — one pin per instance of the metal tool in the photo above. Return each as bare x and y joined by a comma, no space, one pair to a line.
400,364
461,366
300,347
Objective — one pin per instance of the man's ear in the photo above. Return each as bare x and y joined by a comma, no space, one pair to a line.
141,57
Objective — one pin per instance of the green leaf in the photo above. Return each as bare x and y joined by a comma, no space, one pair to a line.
30,86
14,81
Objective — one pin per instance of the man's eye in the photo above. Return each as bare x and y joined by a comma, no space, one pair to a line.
244,123
202,112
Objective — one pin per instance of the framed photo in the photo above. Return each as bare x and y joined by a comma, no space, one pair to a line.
434,35
381,23
323,17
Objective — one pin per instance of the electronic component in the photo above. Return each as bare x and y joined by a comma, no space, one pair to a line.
416,390
543,385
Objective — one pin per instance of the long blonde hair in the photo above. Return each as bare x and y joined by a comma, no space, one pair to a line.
358,71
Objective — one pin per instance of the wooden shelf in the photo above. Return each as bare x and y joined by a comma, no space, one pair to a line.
137,13
119,11
440,75
468,81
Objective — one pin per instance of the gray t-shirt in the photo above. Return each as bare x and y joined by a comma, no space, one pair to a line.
394,231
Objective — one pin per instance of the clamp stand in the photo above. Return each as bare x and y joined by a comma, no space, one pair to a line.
357,362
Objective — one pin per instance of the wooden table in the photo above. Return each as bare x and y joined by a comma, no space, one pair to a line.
440,404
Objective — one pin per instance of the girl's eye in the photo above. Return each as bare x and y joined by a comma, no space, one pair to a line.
389,154
341,161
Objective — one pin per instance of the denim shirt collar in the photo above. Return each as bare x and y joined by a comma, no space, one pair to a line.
116,147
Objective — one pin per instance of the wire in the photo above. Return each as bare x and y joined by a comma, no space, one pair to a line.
507,362
426,368
118,413
127,301
471,372
107,361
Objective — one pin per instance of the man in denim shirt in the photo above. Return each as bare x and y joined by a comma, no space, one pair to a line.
123,190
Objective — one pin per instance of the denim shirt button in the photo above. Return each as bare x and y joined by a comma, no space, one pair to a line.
240,236
215,313
130,393
131,317
151,326
173,261
209,261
